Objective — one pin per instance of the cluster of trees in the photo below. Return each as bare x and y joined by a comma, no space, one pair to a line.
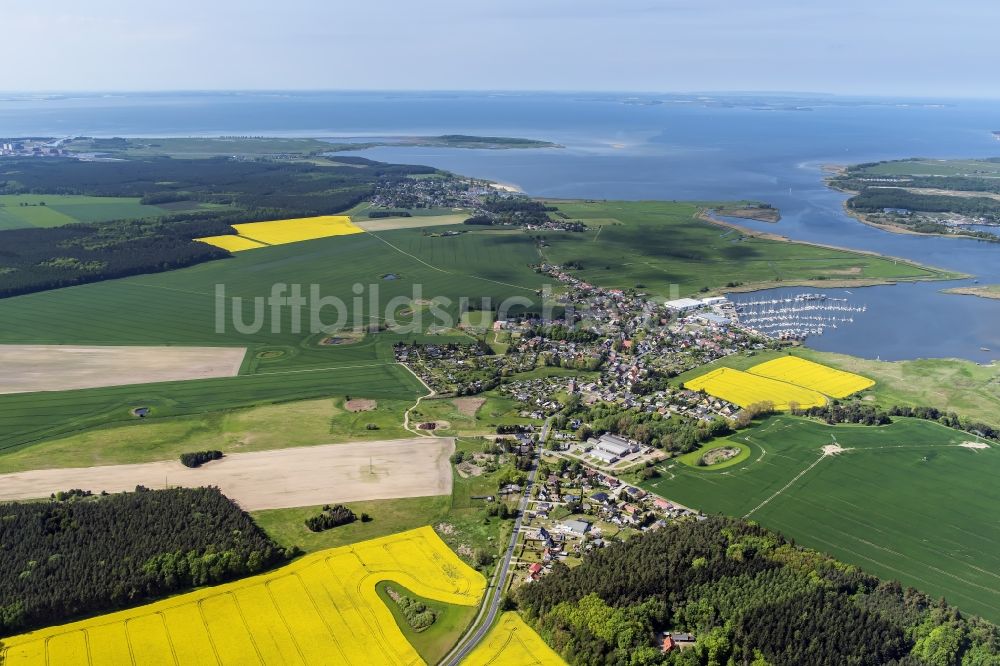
950,419
512,429
512,211
85,554
851,412
562,332
376,214
199,458
416,612
39,259
333,516
749,597
678,434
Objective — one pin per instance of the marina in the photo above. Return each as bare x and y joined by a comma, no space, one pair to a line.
795,317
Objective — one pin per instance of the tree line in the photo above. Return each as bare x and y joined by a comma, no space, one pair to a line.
855,412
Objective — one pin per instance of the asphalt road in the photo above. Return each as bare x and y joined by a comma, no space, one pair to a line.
469,643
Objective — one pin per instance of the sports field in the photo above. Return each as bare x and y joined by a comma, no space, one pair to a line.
511,642
824,379
912,501
279,479
29,368
744,389
20,211
322,609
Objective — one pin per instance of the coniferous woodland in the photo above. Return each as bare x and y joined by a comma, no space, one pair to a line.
749,597
79,554
241,191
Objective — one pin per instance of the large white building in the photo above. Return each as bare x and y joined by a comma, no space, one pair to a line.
683,304
615,445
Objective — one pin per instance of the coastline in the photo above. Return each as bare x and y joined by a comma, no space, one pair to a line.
833,170
899,229
705,214
506,187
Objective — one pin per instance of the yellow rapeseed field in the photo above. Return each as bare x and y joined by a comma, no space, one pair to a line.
511,642
232,242
742,388
321,609
280,232
816,376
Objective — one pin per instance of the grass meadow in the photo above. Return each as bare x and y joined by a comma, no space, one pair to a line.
659,244
904,501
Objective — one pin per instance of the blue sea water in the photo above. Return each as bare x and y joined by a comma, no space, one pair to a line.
704,147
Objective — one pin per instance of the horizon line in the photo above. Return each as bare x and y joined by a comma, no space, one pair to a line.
498,91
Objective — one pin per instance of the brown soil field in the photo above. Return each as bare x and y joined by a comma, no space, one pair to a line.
28,368
415,222
468,406
360,405
304,476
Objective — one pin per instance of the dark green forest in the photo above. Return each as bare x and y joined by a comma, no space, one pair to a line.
245,191
78,554
749,597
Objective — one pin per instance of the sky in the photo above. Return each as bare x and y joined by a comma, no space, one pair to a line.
873,47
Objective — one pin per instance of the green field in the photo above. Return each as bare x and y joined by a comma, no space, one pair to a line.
263,428
964,387
931,167
691,459
30,418
433,642
287,526
18,211
904,502
659,244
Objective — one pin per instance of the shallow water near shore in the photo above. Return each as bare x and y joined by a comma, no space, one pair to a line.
667,147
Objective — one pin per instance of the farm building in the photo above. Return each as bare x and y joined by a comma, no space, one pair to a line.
683,304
